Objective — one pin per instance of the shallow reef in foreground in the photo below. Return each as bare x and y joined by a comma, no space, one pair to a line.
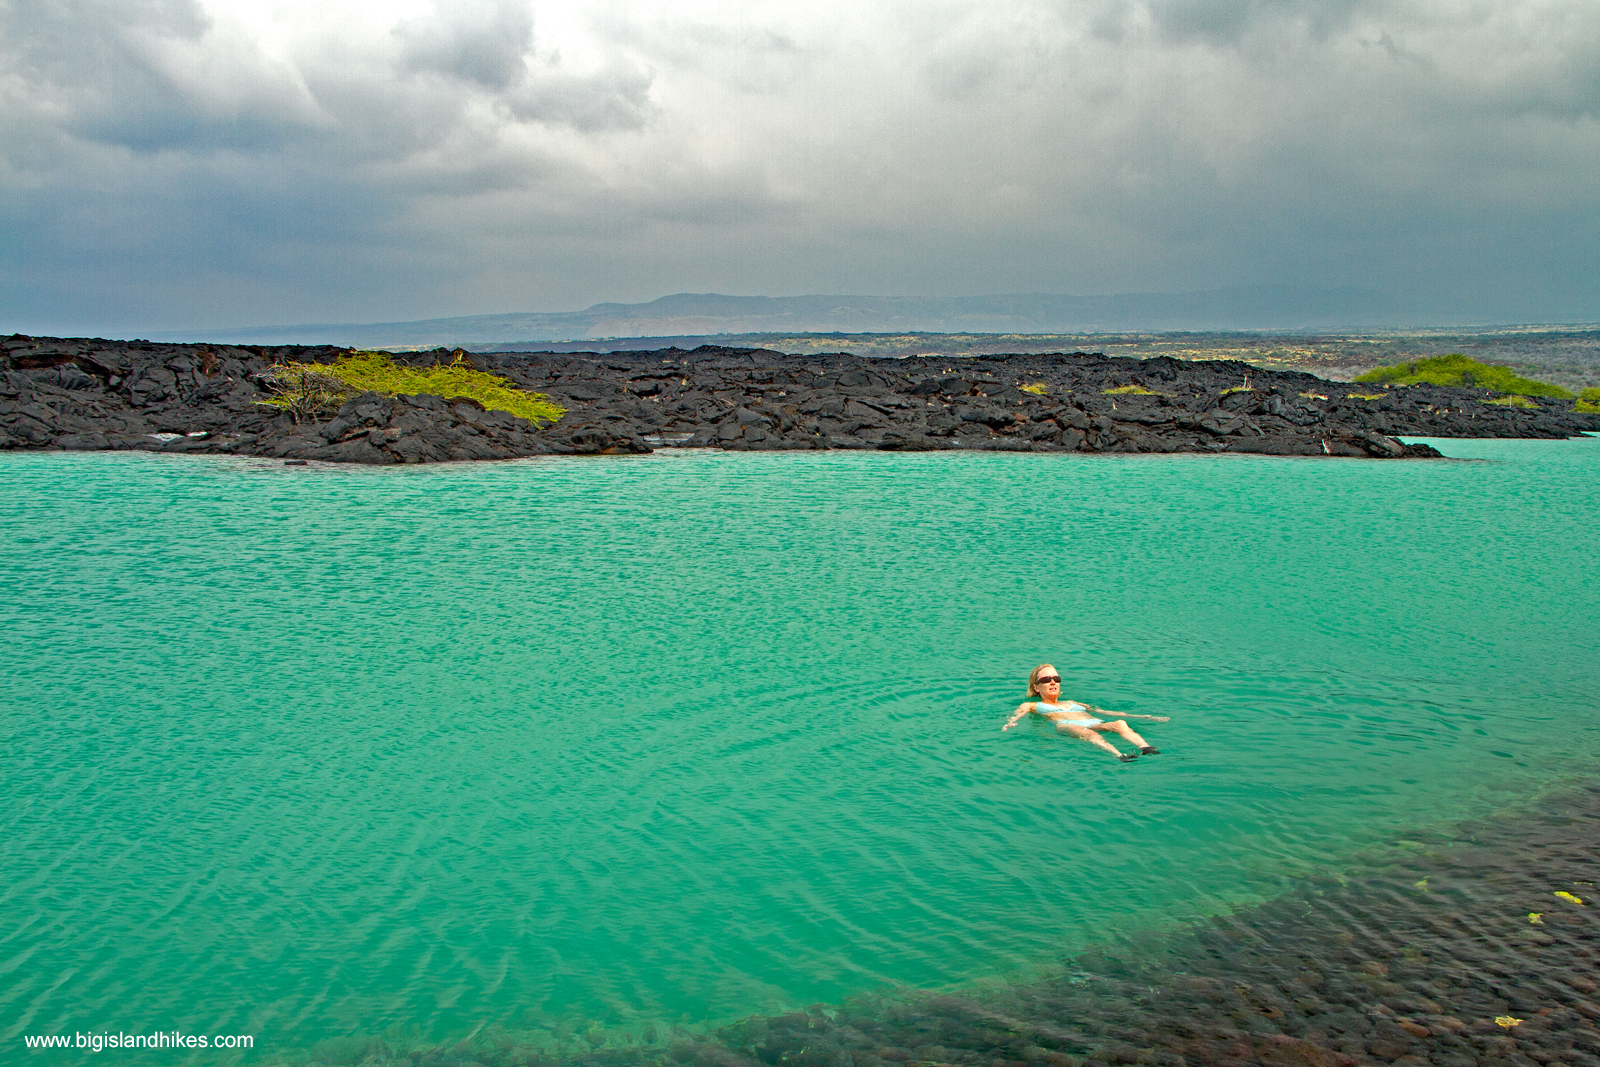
1478,948
92,395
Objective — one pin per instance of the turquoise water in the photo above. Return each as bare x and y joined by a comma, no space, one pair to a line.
637,742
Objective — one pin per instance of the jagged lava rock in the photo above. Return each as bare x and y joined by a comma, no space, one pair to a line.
93,394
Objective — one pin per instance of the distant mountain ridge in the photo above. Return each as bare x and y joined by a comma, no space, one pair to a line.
682,314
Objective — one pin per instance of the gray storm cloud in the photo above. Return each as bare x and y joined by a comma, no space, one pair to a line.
485,43
173,163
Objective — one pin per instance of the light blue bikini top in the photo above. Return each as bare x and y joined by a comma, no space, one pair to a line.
1069,707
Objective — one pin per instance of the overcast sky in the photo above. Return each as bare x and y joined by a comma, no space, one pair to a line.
191,163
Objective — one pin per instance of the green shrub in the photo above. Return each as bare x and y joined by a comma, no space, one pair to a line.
1512,400
1588,400
1457,370
1128,390
1037,388
309,389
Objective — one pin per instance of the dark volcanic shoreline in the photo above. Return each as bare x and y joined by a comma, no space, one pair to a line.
94,395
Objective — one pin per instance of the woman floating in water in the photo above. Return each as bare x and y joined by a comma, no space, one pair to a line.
1074,718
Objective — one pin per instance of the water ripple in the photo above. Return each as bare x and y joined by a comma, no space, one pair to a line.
305,752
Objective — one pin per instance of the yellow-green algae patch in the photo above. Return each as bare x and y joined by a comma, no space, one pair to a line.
1458,370
308,388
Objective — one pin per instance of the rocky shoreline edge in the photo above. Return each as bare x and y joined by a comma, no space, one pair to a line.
86,395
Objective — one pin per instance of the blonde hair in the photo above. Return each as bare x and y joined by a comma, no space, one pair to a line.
1033,678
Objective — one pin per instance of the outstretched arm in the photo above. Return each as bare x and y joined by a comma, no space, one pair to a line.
1127,714
1016,716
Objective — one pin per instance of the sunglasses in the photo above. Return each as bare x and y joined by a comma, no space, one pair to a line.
1051,680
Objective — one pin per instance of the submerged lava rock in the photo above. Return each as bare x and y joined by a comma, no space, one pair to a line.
91,394
1419,958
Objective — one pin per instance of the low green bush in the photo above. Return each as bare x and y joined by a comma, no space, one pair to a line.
1512,400
1128,390
1588,400
310,389
1457,370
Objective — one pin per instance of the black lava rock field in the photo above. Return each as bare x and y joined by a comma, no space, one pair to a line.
95,395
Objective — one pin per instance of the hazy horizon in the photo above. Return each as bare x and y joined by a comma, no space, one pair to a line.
707,316
716,314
